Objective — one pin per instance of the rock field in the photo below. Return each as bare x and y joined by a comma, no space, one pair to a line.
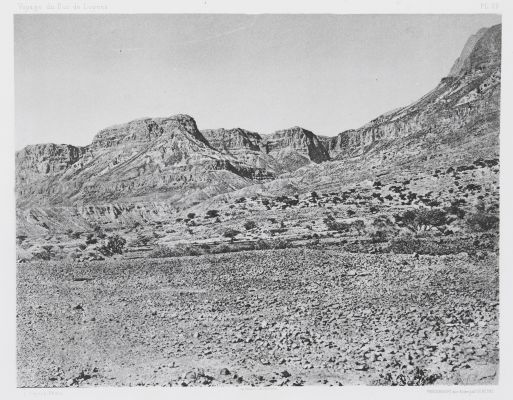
287,317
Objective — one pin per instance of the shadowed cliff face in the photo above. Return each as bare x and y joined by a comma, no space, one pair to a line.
233,140
282,151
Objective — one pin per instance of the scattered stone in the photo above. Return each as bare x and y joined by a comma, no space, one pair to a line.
191,376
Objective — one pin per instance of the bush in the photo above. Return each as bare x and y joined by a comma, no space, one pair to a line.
419,220
379,236
455,209
212,213
481,221
113,245
358,225
231,233
90,239
333,225
248,225
191,215
382,229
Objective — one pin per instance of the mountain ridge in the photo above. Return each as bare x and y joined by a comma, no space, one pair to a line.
168,159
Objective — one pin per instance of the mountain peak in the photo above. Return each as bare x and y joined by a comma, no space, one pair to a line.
147,129
300,140
481,49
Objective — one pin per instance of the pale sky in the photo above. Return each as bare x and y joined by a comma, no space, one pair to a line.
77,74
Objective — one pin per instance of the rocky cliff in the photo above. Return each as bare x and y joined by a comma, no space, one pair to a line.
148,159
467,97
154,159
233,140
282,151
453,125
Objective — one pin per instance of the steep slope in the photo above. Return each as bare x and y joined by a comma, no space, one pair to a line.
282,151
454,125
294,148
233,140
463,105
143,160
245,146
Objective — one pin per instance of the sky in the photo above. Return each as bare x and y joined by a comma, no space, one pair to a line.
77,74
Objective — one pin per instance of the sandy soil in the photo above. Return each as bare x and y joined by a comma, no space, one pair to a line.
283,317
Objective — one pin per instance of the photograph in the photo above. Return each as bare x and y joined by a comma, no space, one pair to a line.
256,200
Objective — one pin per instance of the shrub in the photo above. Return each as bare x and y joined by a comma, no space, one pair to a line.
191,215
90,239
455,209
248,225
99,232
382,229
378,236
358,225
212,213
481,221
231,233
419,220
333,225
113,245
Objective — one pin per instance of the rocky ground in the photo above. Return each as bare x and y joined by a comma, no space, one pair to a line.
259,318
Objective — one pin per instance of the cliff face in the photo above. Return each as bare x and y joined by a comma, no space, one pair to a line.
46,159
232,140
155,159
298,140
468,95
144,159
282,151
